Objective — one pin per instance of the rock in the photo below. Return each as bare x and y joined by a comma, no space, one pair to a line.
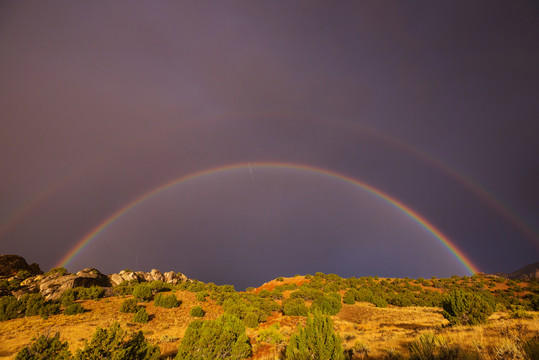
157,275
12,264
115,279
52,287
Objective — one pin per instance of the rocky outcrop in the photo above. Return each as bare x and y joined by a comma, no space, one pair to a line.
154,275
12,264
52,287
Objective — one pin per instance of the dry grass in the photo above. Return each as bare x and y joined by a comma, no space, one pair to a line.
379,328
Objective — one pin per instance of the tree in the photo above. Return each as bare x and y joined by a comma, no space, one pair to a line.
317,340
465,308
45,347
223,338
142,292
113,343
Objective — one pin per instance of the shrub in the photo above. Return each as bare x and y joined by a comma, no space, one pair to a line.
379,301
93,292
251,319
74,309
141,316
57,270
197,311
213,339
125,288
201,296
68,297
130,306
349,297
294,307
424,348
329,305
9,308
270,335
142,292
317,340
465,308
49,309
166,301
113,343
31,303
45,347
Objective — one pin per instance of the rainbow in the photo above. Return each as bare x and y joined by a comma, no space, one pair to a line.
506,212
443,239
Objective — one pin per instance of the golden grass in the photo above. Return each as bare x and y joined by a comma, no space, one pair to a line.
379,328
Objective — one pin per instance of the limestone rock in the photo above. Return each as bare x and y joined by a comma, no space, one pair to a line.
157,275
52,287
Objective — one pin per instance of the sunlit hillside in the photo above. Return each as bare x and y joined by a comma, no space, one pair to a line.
375,318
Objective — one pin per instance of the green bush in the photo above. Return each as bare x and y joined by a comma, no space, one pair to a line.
270,335
201,296
130,306
379,301
68,297
57,270
74,309
142,292
9,308
197,311
465,308
224,337
141,316
44,348
114,343
317,340
49,309
349,297
251,319
125,288
93,292
31,303
295,307
166,301
329,305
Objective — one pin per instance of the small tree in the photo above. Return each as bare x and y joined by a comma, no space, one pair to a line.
142,292
166,301
45,347
224,337
74,309
141,316
114,343
295,307
197,311
465,308
317,340
130,306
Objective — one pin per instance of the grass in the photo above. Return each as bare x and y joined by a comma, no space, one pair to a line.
384,332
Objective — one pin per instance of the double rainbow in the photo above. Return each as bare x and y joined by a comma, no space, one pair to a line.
443,239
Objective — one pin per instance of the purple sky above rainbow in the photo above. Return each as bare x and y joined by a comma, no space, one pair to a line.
434,105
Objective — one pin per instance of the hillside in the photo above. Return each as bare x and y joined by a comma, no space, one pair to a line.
375,318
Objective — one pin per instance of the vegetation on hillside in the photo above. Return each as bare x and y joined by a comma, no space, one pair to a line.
326,311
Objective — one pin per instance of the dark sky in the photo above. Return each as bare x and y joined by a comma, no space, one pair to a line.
434,103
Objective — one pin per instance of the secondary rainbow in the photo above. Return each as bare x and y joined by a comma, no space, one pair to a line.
443,239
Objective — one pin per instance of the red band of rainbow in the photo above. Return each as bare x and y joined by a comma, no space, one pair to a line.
443,239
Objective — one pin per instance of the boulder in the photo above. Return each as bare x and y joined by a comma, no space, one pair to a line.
157,275
12,264
52,287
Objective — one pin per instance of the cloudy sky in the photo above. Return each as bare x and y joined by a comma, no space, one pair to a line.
432,104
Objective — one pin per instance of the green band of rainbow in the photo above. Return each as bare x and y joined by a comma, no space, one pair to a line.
458,254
